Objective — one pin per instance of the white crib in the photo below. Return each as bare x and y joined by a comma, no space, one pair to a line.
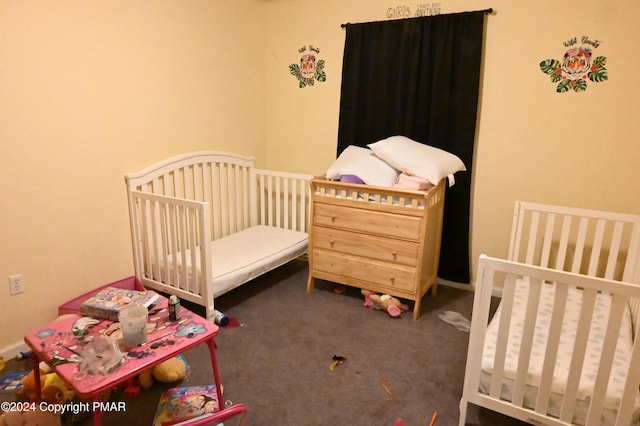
204,223
562,348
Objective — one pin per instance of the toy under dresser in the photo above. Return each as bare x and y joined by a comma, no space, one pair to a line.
381,239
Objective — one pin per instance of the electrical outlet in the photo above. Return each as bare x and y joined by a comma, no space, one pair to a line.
15,284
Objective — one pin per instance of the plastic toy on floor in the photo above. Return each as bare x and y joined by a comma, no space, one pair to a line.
384,302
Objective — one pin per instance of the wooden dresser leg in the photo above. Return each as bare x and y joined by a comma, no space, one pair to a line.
416,309
310,284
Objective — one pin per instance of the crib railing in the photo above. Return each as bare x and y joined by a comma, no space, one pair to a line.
283,199
589,242
497,273
171,243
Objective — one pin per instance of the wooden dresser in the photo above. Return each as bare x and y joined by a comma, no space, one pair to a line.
381,239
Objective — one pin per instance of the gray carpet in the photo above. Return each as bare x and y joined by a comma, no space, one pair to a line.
277,361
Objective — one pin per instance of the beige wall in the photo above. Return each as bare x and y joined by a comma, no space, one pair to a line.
91,91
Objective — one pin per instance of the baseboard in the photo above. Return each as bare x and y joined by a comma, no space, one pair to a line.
12,351
459,286
496,292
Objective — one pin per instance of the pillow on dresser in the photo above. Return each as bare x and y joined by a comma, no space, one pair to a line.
363,163
425,161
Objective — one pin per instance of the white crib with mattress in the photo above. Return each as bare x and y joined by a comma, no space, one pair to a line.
204,223
562,347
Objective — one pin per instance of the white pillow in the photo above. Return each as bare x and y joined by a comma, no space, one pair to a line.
362,162
425,161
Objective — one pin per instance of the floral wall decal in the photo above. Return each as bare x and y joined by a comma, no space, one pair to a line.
310,68
578,65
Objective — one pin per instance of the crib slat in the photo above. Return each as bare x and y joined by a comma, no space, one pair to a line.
173,243
596,248
285,203
533,234
270,201
146,243
606,359
528,333
198,176
216,213
577,256
182,237
276,200
547,240
627,403
193,266
239,197
551,352
577,359
563,245
246,197
163,263
614,250
506,305
262,198
481,303
224,200
516,232
155,227
294,206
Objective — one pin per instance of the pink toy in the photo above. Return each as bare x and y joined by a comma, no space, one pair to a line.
383,302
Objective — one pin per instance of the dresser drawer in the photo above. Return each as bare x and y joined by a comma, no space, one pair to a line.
379,223
373,247
391,276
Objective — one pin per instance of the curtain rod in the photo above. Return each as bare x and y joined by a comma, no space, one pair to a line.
486,12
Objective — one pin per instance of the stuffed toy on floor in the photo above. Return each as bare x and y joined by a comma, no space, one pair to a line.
52,388
169,371
383,302
30,418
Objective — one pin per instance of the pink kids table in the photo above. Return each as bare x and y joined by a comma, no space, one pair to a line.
60,344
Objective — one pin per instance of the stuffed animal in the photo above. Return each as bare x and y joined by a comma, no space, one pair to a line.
52,388
383,302
30,418
169,371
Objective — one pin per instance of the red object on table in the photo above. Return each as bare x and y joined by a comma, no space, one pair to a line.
60,343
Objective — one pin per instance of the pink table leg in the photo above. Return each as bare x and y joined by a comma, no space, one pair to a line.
97,414
216,376
36,375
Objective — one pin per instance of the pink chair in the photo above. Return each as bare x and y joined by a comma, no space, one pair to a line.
236,413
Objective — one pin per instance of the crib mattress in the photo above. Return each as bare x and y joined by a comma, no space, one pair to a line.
594,347
244,255
247,254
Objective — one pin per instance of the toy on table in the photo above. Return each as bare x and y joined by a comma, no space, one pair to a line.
383,302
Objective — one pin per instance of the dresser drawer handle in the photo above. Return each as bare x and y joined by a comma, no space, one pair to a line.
333,218
393,281
332,242
395,255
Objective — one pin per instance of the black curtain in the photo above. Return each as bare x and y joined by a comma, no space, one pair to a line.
419,77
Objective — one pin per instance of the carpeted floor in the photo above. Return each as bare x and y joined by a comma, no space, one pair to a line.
277,360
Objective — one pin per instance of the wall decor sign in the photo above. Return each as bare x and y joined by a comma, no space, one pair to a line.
310,69
421,9
577,66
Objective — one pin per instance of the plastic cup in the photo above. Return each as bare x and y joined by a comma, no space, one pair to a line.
133,324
